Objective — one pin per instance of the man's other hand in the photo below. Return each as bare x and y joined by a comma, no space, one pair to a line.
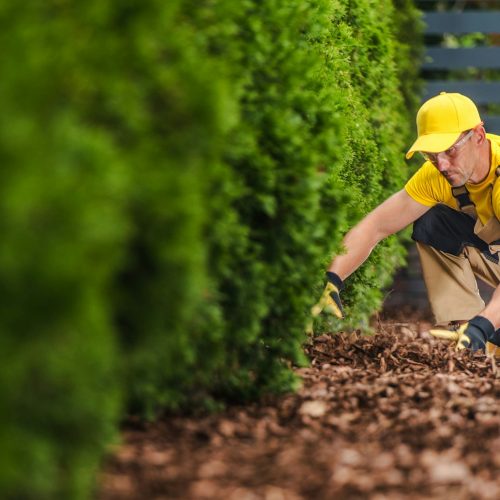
471,335
329,301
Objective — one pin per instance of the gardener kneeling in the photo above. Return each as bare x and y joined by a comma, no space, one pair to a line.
454,202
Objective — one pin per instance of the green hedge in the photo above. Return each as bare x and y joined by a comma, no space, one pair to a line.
62,192
176,177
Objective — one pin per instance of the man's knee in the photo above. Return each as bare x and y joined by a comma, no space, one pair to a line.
430,224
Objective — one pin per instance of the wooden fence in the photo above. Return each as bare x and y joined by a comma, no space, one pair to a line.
477,67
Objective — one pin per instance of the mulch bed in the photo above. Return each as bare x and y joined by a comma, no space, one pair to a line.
389,416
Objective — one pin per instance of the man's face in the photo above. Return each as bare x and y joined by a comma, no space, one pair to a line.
455,164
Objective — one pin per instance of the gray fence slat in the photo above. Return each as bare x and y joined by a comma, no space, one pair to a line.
491,123
476,57
479,92
462,22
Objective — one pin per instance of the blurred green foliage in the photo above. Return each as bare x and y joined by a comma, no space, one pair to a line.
176,175
63,190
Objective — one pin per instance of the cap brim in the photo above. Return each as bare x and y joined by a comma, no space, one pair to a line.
433,143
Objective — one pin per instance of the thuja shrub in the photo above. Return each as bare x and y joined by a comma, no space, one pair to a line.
381,93
62,191
109,119
179,174
409,30
262,233
160,292
312,137
319,141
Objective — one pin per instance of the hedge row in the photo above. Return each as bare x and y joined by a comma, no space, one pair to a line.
176,177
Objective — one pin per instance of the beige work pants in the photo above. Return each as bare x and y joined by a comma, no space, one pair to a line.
451,281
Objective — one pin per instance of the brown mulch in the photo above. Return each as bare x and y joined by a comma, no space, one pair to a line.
389,416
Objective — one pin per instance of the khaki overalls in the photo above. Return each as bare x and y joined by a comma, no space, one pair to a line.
450,269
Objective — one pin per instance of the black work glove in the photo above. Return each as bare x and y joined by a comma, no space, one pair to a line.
471,335
329,301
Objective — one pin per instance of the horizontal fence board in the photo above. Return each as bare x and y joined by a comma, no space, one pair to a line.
474,57
491,123
479,92
462,22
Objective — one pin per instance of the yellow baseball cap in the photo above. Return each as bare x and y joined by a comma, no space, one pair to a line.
441,120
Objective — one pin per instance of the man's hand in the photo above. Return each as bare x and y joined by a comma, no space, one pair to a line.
329,301
472,335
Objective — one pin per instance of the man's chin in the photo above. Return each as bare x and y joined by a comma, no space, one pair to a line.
454,181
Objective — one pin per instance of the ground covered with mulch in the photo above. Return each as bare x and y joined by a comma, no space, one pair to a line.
389,416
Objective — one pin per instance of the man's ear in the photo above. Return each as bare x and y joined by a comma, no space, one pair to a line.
480,133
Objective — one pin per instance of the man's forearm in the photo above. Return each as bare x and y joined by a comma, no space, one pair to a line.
358,243
391,216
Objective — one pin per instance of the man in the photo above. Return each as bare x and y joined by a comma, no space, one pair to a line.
454,202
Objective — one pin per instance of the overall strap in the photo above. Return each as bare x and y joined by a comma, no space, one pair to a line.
490,231
464,202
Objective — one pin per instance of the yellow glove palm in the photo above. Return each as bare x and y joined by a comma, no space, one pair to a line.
459,336
329,302
473,335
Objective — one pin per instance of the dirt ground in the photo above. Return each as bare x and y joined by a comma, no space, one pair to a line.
389,416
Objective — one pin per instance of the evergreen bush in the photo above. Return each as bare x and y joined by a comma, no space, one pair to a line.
176,177
317,140
62,191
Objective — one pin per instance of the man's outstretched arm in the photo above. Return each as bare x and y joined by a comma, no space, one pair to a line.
388,218
391,216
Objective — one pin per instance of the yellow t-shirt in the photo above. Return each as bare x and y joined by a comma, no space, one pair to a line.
429,187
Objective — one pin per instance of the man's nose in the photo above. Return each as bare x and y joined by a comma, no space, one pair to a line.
442,162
